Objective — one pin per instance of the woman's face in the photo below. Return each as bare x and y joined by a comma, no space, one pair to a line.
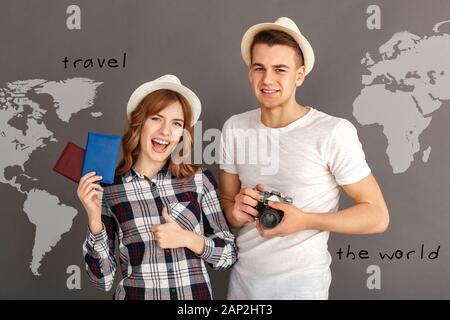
162,132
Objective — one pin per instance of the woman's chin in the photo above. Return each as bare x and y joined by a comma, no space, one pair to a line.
158,157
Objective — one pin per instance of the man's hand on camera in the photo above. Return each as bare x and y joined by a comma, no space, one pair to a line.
244,204
294,220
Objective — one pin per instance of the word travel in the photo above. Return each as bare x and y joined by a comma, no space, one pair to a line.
96,62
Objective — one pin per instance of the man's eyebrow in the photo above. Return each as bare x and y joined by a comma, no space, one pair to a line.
277,66
281,66
257,64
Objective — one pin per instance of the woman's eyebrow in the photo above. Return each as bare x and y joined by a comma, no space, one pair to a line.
160,115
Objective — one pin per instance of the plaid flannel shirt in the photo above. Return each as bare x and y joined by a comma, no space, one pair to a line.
130,206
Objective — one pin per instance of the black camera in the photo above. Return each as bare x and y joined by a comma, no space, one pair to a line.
270,217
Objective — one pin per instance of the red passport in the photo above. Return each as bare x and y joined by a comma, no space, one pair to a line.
70,162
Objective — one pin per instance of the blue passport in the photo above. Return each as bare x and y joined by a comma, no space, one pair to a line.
101,155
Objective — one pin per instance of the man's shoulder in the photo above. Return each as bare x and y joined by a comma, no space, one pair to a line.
329,122
244,119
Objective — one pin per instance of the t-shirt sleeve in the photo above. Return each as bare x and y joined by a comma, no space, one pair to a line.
227,149
345,156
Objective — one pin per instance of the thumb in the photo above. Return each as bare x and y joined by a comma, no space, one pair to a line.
276,205
260,187
166,216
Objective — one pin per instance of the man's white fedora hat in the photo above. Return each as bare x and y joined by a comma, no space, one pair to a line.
281,24
169,82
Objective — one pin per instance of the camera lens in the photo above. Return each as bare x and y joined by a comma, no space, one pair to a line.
270,218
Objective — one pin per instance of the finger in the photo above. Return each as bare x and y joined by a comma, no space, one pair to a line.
242,216
248,210
246,217
92,179
250,192
82,183
277,205
162,245
265,233
93,186
87,175
93,196
260,187
166,216
89,185
87,181
249,201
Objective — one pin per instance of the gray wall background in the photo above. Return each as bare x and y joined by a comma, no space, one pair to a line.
199,40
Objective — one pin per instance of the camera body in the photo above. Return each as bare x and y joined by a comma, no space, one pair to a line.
270,217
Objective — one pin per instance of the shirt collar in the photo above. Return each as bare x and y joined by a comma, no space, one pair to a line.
131,174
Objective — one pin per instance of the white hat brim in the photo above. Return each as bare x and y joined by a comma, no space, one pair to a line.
303,43
143,90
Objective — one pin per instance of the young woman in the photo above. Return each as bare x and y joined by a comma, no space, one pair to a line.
165,213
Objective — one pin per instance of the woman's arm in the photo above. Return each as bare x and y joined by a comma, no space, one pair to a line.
98,250
220,248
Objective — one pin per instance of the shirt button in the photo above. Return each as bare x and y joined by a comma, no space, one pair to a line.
172,290
170,270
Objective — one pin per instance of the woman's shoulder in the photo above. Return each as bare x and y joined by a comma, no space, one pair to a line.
206,176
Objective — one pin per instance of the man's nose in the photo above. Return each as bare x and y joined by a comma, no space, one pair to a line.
267,77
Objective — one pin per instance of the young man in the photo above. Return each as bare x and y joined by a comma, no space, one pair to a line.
317,155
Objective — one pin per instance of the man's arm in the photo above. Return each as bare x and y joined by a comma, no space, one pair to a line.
238,203
368,215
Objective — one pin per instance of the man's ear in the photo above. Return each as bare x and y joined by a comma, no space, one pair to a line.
300,76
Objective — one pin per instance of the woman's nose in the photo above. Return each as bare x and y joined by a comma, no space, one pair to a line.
165,128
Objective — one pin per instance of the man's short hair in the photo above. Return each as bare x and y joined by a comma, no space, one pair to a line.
275,37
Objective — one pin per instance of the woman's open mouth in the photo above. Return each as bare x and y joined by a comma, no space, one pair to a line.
160,145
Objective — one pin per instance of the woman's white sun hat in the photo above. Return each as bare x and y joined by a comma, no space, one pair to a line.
281,24
169,82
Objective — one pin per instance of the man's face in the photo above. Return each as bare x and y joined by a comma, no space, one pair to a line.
275,74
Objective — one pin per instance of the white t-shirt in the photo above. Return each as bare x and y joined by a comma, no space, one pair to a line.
306,160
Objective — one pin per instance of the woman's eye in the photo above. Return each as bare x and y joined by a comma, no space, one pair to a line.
156,118
178,124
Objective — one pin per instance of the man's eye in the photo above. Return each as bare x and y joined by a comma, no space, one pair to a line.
259,69
280,70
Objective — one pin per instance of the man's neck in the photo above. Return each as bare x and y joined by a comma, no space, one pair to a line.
281,116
